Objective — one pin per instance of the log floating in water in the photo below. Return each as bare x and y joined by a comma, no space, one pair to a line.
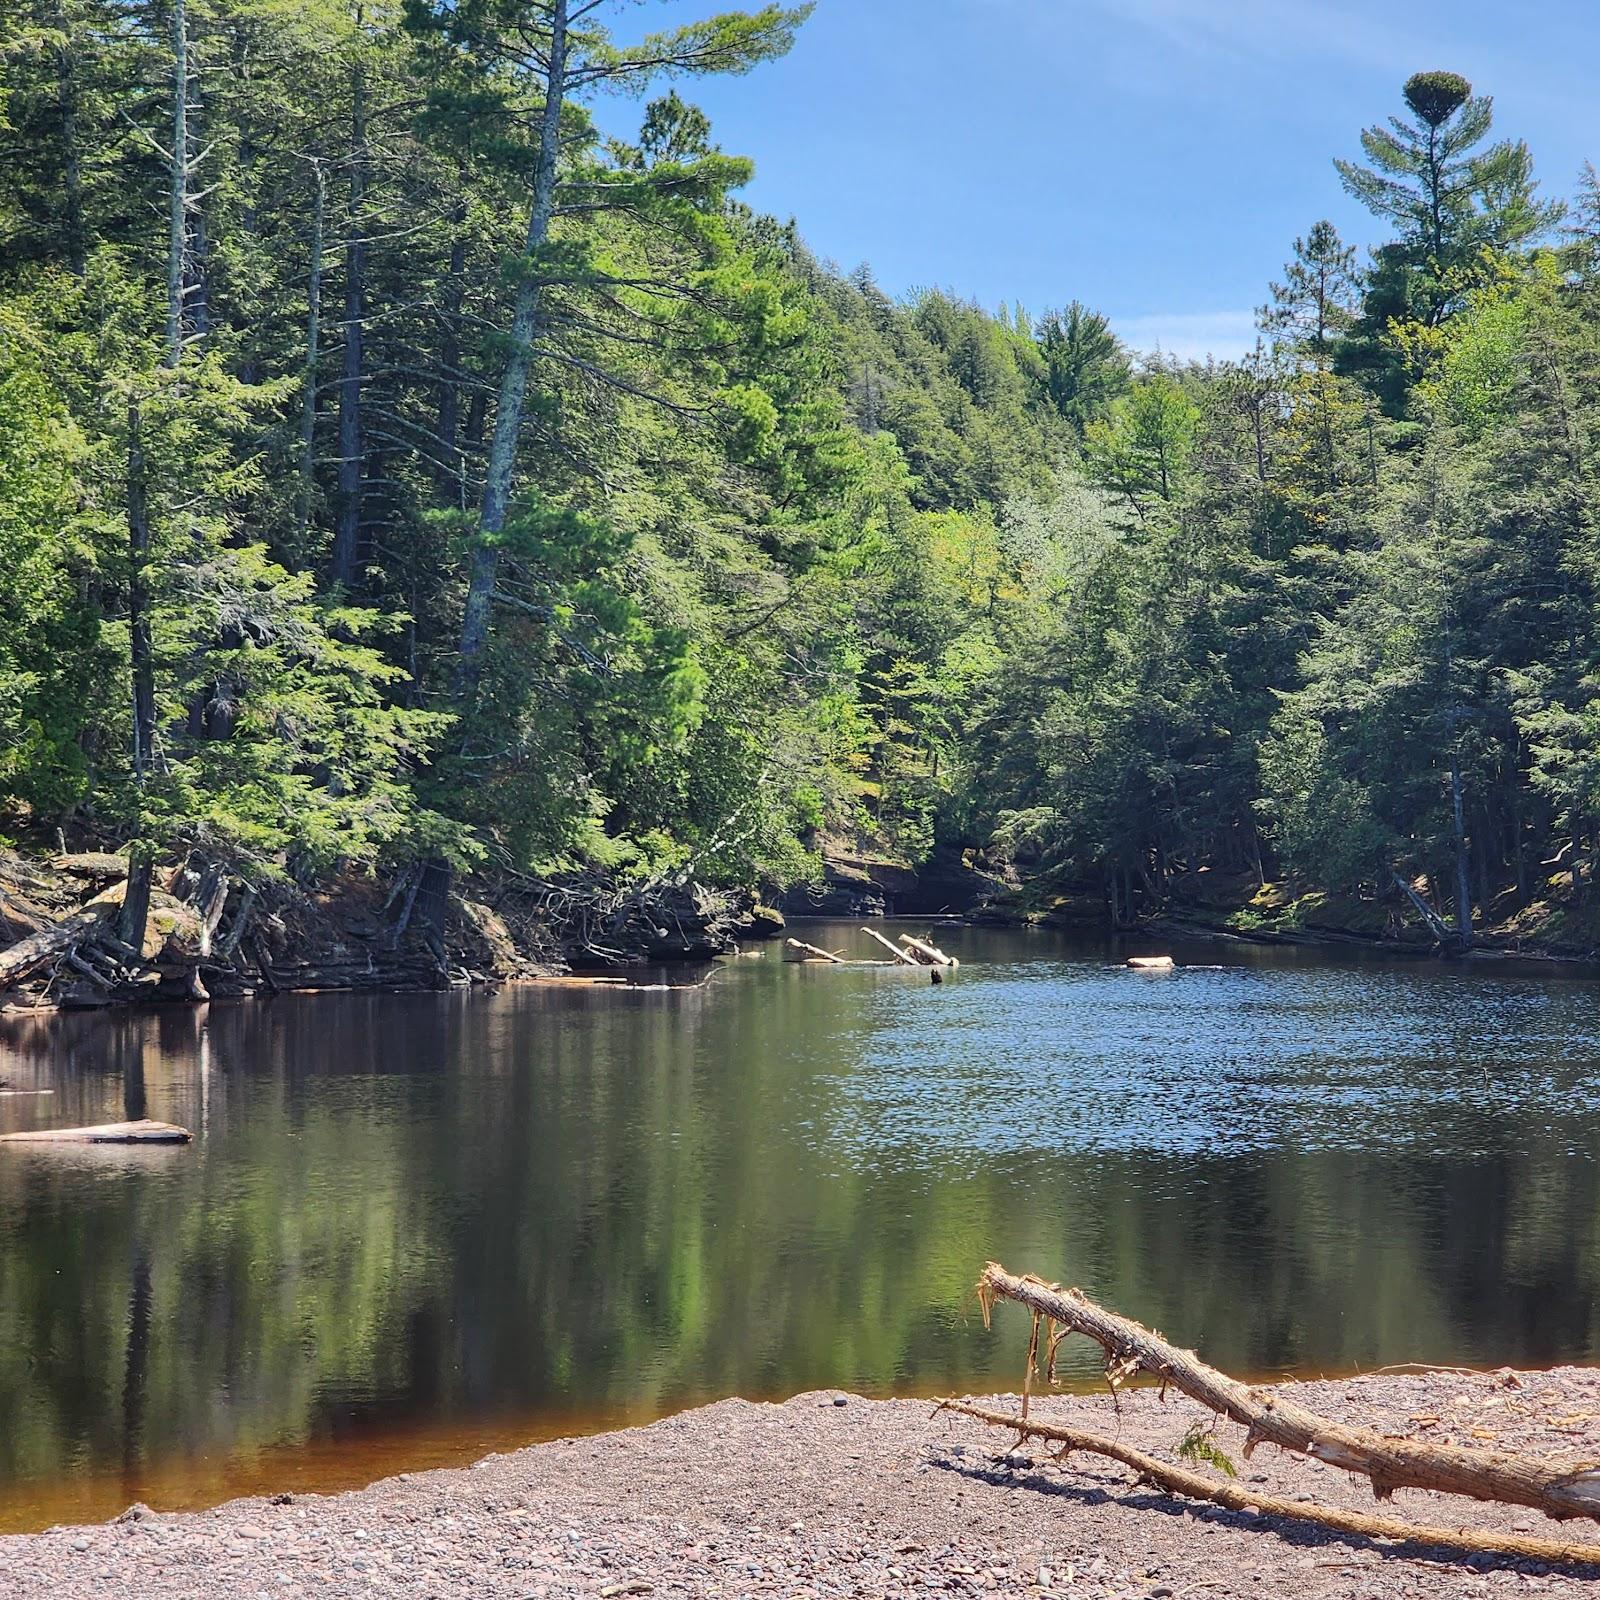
893,949
143,1132
1151,963
1560,1489
929,955
812,953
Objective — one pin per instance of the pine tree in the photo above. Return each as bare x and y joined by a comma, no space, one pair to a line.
1315,303
1085,365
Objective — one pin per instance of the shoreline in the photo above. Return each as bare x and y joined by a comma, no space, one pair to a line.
832,1494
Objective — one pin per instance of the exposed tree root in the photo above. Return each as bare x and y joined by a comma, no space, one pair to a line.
1234,1497
1558,1489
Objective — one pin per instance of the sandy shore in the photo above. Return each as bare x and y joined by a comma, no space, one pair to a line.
828,1495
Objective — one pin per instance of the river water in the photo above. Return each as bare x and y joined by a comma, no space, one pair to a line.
414,1228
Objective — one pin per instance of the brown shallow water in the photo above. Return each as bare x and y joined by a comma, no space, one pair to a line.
416,1228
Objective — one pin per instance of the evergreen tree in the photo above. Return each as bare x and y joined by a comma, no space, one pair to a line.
1086,368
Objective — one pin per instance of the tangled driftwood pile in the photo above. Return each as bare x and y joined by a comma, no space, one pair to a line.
214,931
1560,1489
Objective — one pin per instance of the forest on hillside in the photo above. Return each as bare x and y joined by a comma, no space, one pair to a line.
398,465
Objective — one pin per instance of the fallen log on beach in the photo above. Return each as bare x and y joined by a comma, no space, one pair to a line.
1560,1489
1236,1497
142,1132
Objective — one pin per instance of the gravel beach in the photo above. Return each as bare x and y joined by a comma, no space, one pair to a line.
832,1495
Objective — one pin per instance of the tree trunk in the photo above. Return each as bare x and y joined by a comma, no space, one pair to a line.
1463,881
347,534
178,180
71,164
449,474
1518,854
308,395
136,897
514,380
1559,1489
141,652
196,298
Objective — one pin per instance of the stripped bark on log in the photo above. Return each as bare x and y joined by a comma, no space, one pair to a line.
1558,1489
929,955
893,949
814,953
1236,1497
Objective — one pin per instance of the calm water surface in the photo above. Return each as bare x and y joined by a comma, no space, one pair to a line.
415,1228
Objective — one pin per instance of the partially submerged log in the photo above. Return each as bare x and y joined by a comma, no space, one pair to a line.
1236,1497
812,953
1151,963
1558,1489
893,949
929,955
143,1132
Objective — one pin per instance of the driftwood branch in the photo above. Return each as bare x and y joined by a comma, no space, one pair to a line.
28,955
1558,1489
1235,1497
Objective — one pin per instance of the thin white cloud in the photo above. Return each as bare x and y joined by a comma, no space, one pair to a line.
1189,335
1365,34
1270,28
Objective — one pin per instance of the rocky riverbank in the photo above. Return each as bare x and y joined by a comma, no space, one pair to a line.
831,1495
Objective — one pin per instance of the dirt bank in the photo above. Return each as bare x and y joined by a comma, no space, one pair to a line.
818,1498
213,933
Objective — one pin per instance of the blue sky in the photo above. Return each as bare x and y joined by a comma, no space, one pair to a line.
1154,158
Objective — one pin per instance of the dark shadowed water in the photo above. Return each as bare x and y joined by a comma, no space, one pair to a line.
413,1228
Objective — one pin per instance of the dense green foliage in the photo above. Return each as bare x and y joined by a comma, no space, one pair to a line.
395,464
